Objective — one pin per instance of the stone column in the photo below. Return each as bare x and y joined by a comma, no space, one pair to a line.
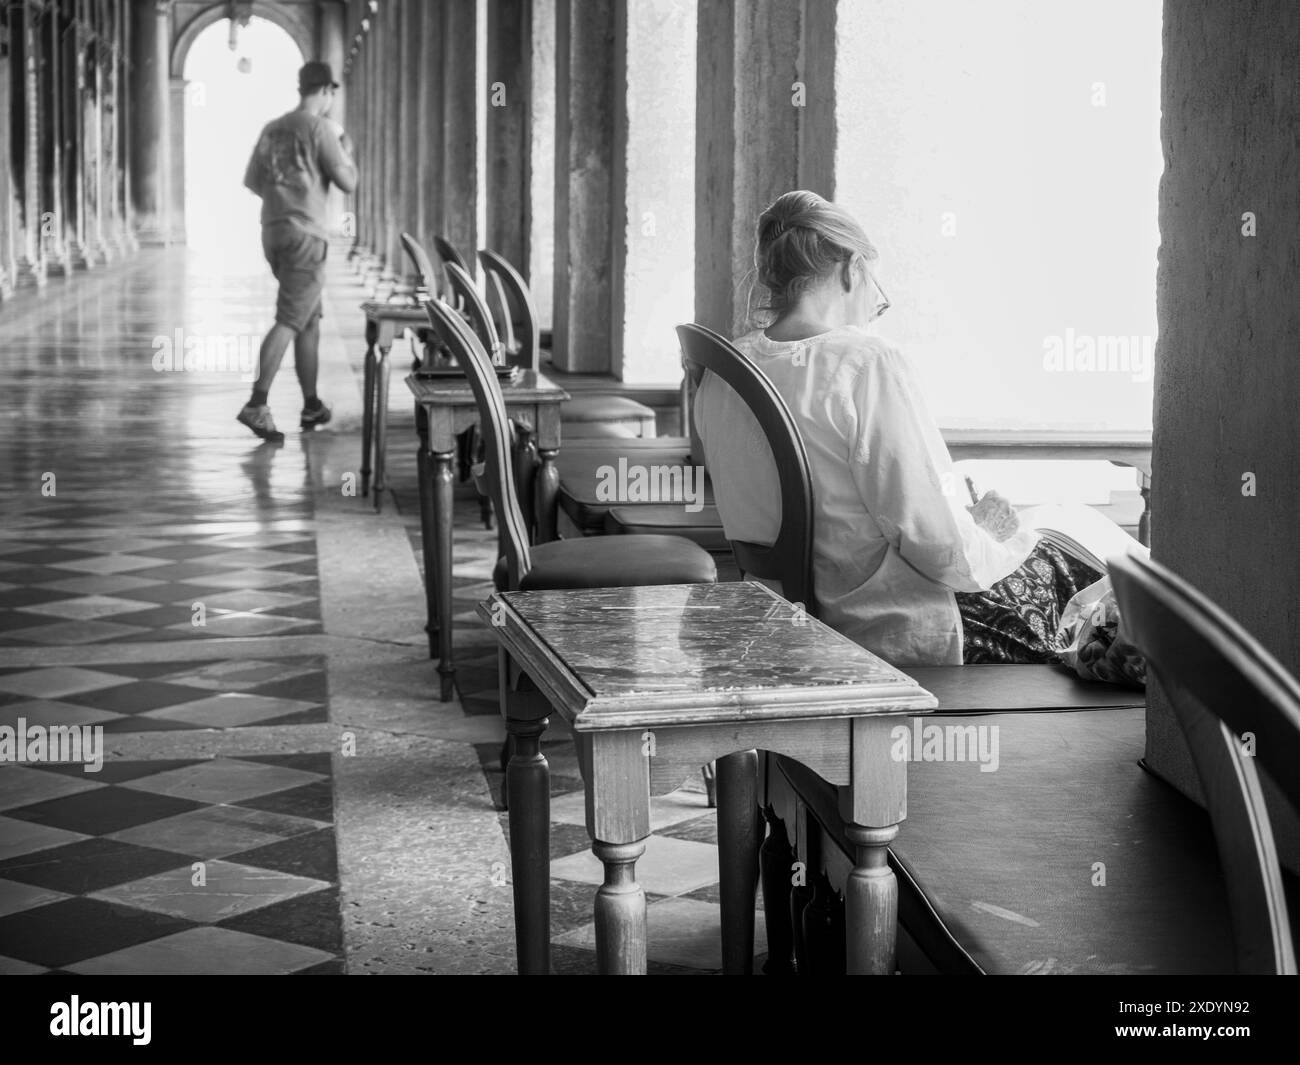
765,124
82,112
150,120
393,144
99,147
590,58
329,47
1225,484
31,262
53,206
176,162
430,160
124,113
408,149
509,113
461,88
7,205
540,268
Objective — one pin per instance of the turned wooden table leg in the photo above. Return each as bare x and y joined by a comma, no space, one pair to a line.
548,490
528,778
620,911
368,410
871,901
382,371
738,842
428,544
442,538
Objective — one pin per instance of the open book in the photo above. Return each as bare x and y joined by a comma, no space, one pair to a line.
1081,532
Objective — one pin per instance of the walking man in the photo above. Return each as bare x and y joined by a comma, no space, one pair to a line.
297,156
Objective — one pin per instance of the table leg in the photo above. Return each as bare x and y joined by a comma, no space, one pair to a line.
620,911
367,417
548,489
528,779
382,374
871,902
428,543
442,539
739,837
1144,522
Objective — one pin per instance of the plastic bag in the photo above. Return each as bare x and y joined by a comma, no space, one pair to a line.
1091,639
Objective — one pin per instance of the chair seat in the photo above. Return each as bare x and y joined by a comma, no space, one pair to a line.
704,527
581,408
578,468
996,869
614,562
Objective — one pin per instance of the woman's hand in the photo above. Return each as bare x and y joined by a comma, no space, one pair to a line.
995,515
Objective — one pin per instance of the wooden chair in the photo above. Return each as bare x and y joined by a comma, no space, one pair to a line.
1224,685
426,279
606,562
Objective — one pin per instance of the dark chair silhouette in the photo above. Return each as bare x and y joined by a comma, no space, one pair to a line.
1223,685
789,558
426,280
600,563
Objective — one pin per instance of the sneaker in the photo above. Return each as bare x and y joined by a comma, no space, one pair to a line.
260,421
310,419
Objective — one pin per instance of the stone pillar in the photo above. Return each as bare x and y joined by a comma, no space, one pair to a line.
31,262
540,268
1225,484
53,206
590,57
408,112
82,115
99,148
461,88
124,113
8,206
150,119
509,111
430,161
394,144
329,47
176,162
765,124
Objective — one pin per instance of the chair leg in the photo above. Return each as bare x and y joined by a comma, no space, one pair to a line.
710,775
776,861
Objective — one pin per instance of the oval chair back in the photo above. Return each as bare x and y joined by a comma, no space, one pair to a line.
427,283
1223,684
448,254
467,298
789,559
518,307
512,533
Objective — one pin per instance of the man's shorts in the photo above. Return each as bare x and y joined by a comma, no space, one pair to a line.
298,261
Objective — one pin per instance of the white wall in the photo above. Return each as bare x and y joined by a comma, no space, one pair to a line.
1005,158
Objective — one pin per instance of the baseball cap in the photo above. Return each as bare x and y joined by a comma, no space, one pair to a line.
314,75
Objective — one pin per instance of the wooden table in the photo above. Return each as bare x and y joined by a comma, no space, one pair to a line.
445,407
1120,447
384,321
659,681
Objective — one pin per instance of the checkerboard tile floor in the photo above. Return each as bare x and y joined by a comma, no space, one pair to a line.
150,696
223,865
95,585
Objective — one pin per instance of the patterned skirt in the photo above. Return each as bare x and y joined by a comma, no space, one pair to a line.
1016,619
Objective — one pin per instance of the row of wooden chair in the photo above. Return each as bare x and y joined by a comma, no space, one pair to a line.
1220,681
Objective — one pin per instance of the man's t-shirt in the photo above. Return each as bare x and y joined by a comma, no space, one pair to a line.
296,158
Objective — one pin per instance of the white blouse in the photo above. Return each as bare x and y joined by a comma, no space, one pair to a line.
892,539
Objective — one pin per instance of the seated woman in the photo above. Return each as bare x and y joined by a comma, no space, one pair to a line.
901,565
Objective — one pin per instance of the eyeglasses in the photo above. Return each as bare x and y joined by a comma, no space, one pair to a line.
884,303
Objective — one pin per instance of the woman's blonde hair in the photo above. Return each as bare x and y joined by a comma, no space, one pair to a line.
801,237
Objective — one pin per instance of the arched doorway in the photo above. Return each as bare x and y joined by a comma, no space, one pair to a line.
230,94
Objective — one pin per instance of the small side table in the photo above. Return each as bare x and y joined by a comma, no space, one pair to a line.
384,321
659,681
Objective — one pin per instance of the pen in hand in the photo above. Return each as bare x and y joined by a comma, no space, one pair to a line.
970,487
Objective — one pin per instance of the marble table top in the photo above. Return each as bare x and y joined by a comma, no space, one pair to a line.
691,654
527,386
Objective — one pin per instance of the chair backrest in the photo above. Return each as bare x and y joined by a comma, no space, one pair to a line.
519,307
467,298
789,559
1223,687
448,254
427,286
495,427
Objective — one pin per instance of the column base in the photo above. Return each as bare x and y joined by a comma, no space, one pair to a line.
81,256
58,264
31,274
